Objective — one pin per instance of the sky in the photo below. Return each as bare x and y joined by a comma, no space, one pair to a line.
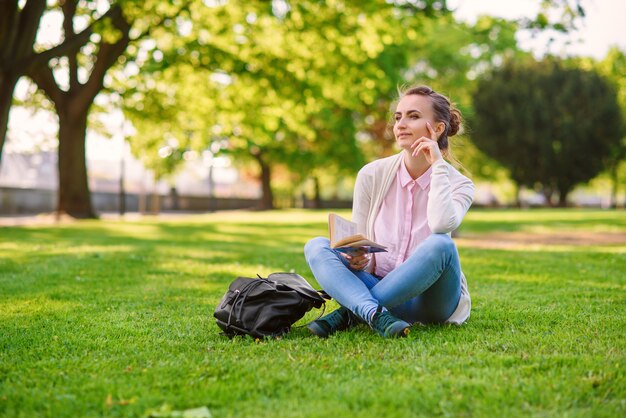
602,28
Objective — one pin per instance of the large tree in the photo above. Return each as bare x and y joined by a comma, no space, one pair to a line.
550,125
72,72
293,79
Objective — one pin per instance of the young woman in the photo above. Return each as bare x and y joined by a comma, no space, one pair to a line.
410,203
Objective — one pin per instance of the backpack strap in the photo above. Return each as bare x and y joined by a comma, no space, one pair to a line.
324,294
318,317
245,291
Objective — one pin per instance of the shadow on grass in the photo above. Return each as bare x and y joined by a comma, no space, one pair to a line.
108,259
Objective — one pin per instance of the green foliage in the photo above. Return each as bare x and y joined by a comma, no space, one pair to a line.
308,89
613,67
319,72
182,124
113,318
557,15
548,124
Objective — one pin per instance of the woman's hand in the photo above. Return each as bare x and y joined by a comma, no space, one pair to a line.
357,260
427,146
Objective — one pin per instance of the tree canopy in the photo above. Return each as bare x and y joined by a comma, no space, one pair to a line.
301,85
286,86
552,126
307,88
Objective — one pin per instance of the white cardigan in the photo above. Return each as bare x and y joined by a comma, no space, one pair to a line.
449,198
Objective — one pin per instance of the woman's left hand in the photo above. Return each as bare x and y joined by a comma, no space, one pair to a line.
427,146
358,260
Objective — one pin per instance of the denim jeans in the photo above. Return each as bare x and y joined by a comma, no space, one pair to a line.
425,288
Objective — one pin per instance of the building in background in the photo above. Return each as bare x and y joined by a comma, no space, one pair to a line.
29,181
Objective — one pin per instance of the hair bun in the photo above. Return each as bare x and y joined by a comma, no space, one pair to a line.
455,121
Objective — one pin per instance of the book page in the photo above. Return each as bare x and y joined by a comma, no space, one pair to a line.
343,235
340,228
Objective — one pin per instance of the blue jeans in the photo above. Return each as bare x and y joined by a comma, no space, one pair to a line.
425,288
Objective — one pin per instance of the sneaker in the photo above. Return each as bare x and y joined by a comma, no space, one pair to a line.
337,320
388,326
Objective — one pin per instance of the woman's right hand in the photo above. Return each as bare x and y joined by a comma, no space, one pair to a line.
358,260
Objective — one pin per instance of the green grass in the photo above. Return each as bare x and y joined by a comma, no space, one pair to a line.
106,318
545,220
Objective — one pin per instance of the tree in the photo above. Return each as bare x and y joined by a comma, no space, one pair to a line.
613,67
85,56
72,105
18,30
296,48
550,125
296,78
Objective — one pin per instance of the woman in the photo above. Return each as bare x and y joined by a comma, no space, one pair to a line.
410,203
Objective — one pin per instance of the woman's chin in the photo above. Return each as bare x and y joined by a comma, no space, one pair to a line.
404,143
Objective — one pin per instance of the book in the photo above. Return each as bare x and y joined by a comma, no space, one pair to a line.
344,237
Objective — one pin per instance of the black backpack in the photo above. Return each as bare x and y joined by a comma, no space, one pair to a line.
266,307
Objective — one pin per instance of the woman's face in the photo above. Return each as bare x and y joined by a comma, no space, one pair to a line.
411,115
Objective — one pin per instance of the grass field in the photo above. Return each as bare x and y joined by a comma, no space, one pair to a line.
110,318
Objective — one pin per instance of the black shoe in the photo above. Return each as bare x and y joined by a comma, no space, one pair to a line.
388,326
335,321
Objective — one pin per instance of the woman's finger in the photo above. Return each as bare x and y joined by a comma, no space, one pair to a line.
419,141
359,266
423,146
359,261
433,134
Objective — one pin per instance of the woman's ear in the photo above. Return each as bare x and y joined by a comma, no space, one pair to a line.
440,128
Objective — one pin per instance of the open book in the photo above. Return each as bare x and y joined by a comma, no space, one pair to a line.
344,238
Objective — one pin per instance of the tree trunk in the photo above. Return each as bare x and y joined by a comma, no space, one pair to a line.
7,87
563,198
155,202
317,198
518,195
74,195
614,186
267,198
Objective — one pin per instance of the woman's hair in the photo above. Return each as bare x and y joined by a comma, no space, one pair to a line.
444,112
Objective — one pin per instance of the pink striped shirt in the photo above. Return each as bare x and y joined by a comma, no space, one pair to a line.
401,223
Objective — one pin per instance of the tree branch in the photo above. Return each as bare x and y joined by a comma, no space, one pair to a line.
18,30
69,11
8,28
29,23
44,78
107,56
69,46
72,44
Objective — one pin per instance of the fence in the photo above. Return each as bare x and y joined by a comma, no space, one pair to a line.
14,201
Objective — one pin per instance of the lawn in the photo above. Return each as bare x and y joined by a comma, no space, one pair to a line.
111,318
